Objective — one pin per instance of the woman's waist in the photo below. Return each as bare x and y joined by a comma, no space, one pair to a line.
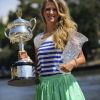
49,70
44,73
53,76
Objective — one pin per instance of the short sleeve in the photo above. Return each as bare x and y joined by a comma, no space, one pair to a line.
73,46
37,40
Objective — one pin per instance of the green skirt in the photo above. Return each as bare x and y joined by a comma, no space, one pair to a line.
59,87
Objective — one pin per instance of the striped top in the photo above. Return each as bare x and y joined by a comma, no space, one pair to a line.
49,57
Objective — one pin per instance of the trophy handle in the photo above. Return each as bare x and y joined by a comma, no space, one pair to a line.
6,34
33,19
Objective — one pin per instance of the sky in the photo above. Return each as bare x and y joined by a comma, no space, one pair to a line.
6,6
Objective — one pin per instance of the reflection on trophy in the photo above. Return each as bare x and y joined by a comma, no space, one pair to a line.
20,31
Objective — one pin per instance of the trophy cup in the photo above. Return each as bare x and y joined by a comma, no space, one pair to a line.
20,31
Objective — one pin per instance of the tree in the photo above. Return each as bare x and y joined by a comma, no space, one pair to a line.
87,16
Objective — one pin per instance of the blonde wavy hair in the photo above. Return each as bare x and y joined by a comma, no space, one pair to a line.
64,24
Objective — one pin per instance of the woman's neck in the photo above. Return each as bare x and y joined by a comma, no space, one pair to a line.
50,28
48,31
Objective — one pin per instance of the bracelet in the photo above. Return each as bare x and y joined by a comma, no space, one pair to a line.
75,62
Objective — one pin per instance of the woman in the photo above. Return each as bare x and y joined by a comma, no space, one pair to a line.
56,80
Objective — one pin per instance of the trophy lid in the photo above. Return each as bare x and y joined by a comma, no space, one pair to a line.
19,20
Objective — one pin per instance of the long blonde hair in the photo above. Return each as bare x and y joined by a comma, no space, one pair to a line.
64,24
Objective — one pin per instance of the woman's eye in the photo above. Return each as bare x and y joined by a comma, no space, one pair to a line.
49,9
54,9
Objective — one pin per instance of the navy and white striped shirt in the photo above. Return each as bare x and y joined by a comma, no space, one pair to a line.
49,58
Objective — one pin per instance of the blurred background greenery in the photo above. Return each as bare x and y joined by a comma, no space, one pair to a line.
85,13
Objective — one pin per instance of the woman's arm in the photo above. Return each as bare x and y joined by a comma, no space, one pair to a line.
80,59
73,63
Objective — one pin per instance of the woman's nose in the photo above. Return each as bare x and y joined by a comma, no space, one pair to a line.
51,11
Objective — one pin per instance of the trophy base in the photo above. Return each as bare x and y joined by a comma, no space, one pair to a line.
23,74
22,81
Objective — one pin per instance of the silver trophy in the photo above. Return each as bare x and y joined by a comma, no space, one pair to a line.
20,31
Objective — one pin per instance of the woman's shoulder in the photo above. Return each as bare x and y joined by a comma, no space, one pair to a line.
37,39
38,36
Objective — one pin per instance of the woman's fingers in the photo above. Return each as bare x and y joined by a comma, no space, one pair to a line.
22,54
64,68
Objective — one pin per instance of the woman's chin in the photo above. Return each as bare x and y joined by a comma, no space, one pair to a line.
51,21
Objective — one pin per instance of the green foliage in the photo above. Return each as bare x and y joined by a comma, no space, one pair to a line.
87,15
1,31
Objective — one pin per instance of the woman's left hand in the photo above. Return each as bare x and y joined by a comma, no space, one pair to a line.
73,63
66,67
69,66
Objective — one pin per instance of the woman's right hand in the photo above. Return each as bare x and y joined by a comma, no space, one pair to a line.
22,55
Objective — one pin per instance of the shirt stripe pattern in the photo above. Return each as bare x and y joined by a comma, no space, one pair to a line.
49,58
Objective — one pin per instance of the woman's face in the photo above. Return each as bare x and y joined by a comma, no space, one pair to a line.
50,13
